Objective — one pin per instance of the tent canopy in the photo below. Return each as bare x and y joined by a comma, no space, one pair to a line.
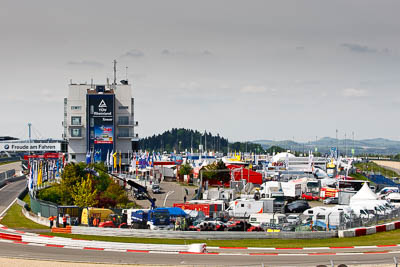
365,193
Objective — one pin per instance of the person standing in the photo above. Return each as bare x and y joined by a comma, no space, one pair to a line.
64,221
51,219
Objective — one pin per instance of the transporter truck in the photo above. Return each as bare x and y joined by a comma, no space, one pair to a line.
154,219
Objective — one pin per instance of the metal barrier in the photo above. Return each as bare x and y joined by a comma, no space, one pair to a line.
9,159
43,208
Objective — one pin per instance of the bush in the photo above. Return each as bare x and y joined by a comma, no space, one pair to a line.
52,194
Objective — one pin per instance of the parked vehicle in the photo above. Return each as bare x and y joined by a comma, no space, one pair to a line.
243,208
115,221
155,188
331,200
154,219
88,213
293,219
267,218
297,206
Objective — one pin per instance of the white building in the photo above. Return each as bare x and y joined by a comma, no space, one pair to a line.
99,118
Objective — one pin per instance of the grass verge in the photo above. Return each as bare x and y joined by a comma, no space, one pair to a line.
16,220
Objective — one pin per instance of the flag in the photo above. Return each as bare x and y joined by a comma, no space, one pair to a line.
39,178
107,158
115,159
110,160
30,182
88,157
120,160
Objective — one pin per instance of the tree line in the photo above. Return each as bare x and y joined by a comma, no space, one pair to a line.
181,140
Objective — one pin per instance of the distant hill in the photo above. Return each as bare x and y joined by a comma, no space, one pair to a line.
186,139
378,146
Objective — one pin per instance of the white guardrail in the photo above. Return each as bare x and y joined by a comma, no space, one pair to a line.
31,238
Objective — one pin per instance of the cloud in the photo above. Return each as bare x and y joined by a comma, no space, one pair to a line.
189,86
300,48
88,63
252,89
167,52
357,48
353,92
133,53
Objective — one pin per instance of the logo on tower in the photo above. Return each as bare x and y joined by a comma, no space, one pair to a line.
102,104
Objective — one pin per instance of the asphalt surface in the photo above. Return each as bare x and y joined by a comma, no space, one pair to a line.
74,255
9,192
15,165
176,197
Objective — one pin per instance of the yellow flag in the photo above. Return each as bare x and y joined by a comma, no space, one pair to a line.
39,178
120,160
115,159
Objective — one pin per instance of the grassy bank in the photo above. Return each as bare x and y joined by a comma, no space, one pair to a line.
373,167
16,220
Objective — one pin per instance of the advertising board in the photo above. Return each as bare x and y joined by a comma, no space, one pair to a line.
101,130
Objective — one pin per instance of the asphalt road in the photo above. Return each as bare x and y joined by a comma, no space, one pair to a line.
176,197
9,192
74,255
10,166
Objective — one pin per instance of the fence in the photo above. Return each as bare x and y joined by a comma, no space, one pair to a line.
43,208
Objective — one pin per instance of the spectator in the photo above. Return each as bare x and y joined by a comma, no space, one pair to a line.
64,221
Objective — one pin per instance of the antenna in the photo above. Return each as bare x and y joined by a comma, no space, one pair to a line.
115,72
126,73
91,83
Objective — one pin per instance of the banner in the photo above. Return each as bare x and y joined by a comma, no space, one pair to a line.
24,147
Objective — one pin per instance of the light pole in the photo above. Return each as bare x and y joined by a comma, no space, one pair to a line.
166,196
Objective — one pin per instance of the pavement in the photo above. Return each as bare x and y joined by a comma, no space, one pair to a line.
11,166
9,192
176,197
9,250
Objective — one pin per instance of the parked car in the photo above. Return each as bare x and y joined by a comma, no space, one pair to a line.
155,188
138,195
297,206
331,200
293,219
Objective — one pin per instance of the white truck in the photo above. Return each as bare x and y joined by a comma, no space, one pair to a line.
271,189
267,218
243,208
330,218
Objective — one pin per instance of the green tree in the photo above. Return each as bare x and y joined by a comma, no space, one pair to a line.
215,172
185,169
83,193
114,196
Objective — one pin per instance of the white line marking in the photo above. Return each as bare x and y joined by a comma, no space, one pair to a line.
9,206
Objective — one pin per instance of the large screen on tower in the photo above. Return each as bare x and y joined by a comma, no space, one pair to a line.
100,124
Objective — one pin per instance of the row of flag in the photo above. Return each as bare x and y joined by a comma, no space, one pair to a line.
43,170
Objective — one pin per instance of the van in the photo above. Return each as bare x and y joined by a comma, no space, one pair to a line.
267,218
95,213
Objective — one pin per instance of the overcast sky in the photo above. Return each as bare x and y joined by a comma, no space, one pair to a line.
245,69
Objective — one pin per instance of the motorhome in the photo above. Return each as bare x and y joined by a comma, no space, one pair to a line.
267,219
243,208
272,189
394,199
